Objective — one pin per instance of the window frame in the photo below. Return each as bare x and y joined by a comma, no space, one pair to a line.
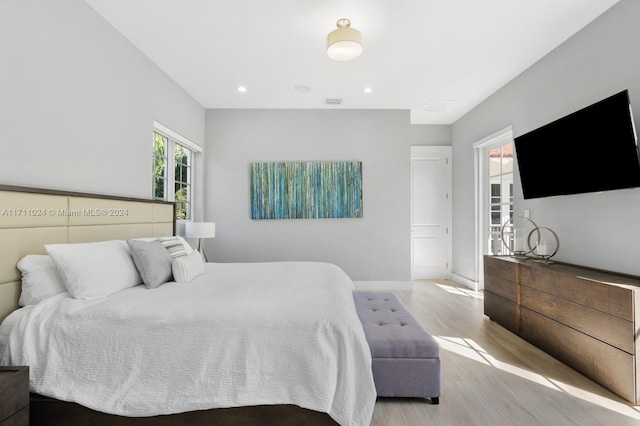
187,183
174,139
155,176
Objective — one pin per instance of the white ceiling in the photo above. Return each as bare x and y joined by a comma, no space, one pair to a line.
415,51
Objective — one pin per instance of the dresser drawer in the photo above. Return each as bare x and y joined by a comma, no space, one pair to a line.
501,310
600,325
609,366
501,287
502,267
558,280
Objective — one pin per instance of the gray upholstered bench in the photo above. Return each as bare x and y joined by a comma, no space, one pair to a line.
405,358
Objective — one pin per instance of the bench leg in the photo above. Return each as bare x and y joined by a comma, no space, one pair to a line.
435,400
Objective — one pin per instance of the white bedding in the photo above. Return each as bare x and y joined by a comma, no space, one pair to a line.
240,334
7,325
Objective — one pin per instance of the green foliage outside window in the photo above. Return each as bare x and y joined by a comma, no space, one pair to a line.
181,178
159,160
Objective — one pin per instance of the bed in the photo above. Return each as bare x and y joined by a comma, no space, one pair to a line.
260,343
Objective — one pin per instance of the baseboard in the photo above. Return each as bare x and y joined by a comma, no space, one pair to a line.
383,285
473,285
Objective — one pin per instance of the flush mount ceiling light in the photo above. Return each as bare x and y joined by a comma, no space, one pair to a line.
345,43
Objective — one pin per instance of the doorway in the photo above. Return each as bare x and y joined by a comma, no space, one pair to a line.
431,209
494,164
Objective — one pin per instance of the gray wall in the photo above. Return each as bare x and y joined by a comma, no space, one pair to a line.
601,230
374,248
430,134
77,102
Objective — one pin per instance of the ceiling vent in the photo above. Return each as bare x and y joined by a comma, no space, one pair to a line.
438,106
333,101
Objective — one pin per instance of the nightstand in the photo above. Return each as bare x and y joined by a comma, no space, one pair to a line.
14,396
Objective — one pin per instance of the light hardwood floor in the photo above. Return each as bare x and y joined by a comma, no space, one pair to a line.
492,377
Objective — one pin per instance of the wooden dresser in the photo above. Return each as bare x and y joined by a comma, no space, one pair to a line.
14,396
586,318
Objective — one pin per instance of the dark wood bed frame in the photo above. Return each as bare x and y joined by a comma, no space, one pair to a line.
52,412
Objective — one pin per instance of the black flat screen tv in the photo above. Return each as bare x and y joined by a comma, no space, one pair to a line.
591,150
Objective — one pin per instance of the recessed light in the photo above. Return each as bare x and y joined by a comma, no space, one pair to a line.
242,89
368,90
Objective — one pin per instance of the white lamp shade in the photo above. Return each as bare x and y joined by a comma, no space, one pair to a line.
200,230
345,43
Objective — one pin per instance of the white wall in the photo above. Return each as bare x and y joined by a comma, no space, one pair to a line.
599,230
375,247
77,102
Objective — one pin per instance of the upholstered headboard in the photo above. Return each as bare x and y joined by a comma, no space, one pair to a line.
31,218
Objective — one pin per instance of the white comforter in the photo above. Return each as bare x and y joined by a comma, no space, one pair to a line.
240,334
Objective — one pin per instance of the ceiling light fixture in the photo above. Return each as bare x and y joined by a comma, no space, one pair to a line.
242,89
345,43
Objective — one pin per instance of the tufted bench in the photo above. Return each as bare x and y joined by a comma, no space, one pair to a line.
405,358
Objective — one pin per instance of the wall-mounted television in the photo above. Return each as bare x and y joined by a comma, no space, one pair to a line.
593,149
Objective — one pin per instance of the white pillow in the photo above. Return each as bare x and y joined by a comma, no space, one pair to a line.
177,246
186,268
187,246
93,270
40,279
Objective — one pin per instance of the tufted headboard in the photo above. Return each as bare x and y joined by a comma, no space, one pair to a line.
31,218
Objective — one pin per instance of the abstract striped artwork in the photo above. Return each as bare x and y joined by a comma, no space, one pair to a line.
311,190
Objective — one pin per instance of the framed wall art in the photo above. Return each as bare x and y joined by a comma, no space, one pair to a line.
306,190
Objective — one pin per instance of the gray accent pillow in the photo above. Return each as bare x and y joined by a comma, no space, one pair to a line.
153,262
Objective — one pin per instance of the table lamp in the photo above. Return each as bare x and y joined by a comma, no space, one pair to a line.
200,230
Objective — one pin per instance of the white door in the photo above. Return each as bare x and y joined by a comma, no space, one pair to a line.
430,212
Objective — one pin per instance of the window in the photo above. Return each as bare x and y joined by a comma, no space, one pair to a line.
159,161
173,158
182,181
